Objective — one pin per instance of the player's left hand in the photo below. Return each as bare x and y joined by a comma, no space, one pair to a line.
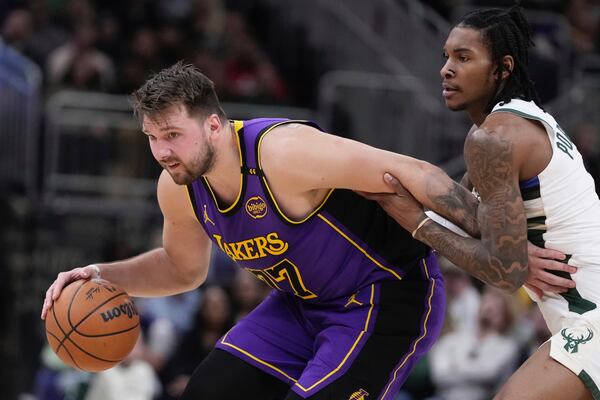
540,277
400,205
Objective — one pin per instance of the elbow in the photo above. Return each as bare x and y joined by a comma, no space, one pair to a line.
190,279
515,277
505,275
194,280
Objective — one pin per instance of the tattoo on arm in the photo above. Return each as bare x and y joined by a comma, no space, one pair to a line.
454,202
500,257
466,253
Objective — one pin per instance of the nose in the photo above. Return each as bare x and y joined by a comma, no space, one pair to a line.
161,150
447,72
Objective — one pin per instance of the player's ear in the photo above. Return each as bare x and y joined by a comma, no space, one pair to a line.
508,62
213,124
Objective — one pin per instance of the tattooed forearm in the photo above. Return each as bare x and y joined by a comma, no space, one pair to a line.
472,256
500,257
450,199
460,206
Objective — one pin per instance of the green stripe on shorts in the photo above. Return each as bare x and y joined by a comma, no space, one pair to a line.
591,385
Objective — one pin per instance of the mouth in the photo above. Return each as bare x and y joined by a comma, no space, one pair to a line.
172,165
448,90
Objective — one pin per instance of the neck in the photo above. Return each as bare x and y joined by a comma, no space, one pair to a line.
477,112
477,117
224,177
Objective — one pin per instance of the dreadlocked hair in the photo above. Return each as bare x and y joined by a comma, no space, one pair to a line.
506,32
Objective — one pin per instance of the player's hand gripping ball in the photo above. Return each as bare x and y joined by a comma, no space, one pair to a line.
93,325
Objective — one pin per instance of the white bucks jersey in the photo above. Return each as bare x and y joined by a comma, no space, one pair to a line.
563,213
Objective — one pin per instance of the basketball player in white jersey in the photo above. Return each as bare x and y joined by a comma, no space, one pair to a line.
532,185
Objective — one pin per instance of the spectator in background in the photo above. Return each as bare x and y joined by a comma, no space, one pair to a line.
212,321
78,64
212,66
172,44
47,35
537,332
248,72
463,298
166,320
132,379
143,56
186,305
208,25
110,36
471,365
17,29
586,138
584,18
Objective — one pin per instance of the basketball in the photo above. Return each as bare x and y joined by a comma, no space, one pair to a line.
93,325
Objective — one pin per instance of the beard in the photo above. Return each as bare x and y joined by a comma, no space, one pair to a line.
457,107
201,165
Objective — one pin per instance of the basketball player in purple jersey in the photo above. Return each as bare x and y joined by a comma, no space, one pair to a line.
356,301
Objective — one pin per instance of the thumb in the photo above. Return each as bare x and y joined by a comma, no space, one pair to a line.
390,179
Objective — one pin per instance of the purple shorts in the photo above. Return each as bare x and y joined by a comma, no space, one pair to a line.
370,339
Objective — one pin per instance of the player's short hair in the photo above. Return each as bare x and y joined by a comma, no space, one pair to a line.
178,85
506,32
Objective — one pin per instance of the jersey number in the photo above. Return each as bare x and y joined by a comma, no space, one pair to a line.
284,271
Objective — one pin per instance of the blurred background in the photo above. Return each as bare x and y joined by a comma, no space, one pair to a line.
77,182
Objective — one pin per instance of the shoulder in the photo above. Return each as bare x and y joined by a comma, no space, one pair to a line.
506,130
490,153
510,124
290,144
288,138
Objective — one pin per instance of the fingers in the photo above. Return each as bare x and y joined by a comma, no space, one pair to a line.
391,179
556,281
541,252
557,266
545,287
394,183
47,303
548,282
63,279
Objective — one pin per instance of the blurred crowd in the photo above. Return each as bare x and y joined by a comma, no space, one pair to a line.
113,46
487,336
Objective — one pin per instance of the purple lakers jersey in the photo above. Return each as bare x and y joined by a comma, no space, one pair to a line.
345,244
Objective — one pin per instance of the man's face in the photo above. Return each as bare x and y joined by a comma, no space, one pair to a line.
468,75
180,144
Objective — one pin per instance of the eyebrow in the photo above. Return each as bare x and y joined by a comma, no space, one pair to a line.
462,49
163,129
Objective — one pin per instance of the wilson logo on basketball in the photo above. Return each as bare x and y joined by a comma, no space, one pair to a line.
128,309
256,207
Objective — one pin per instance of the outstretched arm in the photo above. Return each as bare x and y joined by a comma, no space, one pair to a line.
300,158
409,213
499,258
466,252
